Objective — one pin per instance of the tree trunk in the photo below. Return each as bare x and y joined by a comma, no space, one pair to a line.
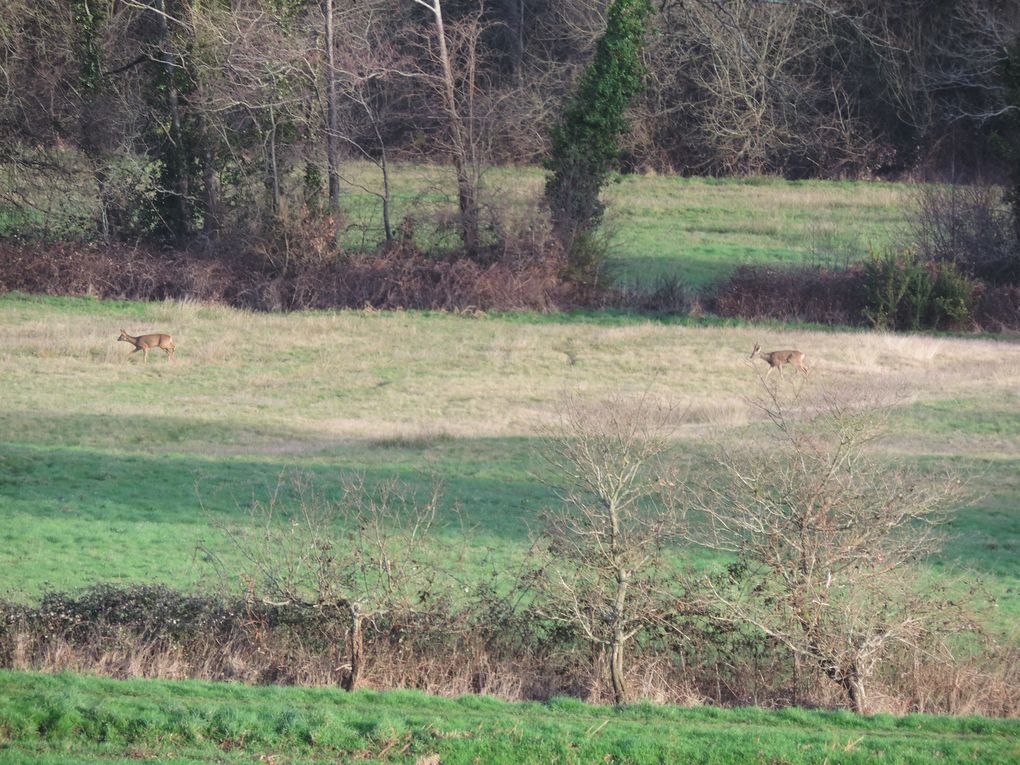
384,167
619,608
274,168
357,648
516,26
850,681
467,195
210,192
177,159
332,163
853,684
99,176
387,225
616,671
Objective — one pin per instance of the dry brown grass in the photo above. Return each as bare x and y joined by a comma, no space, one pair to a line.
987,685
378,375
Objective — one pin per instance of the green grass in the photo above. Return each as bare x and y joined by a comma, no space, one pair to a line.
701,229
116,471
697,229
69,719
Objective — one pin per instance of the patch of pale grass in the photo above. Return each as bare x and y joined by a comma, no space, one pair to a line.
911,348
355,375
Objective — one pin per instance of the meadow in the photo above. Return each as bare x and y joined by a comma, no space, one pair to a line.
116,471
113,470
694,229
67,719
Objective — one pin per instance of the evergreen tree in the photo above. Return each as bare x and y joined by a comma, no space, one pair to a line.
585,143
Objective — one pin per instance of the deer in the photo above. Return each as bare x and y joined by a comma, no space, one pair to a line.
778,358
144,342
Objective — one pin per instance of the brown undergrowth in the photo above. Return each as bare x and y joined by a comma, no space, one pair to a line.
303,274
264,280
155,632
824,296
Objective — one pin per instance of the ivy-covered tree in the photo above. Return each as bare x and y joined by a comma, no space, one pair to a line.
585,142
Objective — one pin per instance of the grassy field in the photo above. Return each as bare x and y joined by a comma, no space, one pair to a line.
116,471
66,719
699,229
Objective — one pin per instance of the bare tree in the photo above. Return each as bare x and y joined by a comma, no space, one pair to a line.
603,568
824,533
457,96
367,554
368,63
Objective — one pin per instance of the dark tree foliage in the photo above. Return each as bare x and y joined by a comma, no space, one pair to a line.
585,142
1011,138
204,123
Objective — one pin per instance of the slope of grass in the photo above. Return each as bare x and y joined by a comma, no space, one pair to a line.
70,719
118,471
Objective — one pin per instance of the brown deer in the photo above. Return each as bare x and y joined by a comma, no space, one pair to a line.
778,358
144,342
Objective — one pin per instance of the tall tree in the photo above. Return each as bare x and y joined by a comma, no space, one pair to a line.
176,172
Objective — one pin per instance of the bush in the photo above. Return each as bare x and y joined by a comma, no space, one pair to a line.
269,279
492,642
667,294
799,294
903,292
970,227
997,309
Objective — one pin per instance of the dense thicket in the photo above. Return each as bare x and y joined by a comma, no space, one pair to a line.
183,121
483,647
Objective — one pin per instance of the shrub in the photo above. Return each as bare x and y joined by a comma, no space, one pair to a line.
273,280
969,226
904,292
798,294
667,294
997,309
493,642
